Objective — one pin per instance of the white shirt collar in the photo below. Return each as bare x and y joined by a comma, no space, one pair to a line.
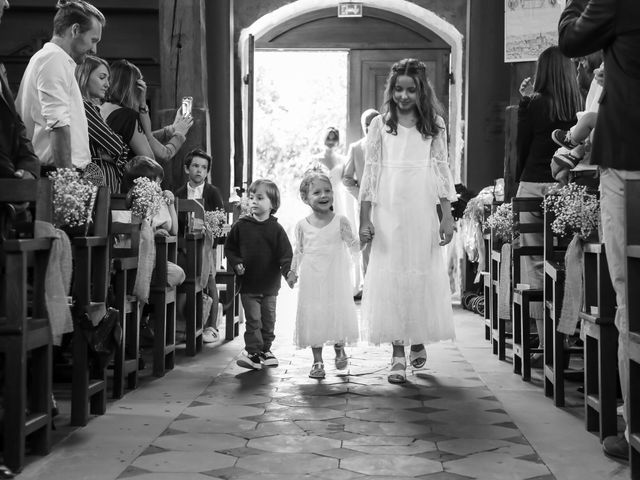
195,192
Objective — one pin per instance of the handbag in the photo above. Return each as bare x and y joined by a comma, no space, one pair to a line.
104,338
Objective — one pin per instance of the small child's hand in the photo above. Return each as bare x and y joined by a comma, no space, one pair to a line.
239,268
168,196
292,278
366,232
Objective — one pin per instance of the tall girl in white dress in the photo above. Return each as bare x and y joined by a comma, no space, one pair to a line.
406,296
326,310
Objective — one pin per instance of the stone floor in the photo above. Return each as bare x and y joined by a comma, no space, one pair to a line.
464,416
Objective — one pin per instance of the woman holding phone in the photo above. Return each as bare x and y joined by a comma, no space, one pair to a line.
127,113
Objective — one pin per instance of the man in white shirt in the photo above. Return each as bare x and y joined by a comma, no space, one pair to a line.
49,99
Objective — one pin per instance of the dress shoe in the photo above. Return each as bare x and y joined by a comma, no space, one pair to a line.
616,447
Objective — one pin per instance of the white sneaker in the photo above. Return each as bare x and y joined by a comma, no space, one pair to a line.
209,335
269,359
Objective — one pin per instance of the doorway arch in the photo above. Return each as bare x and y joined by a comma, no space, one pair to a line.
404,8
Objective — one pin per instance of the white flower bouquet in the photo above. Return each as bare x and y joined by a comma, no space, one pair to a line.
215,223
501,221
577,212
146,198
73,198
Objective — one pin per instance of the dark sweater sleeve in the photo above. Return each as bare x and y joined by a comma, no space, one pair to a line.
285,252
232,247
586,26
524,135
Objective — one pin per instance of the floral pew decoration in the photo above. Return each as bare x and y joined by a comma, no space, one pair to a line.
501,223
145,198
577,214
215,226
73,201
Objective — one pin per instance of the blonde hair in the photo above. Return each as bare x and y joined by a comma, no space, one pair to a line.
309,177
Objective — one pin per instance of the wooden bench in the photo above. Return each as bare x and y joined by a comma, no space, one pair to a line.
498,325
522,298
25,332
632,206
90,280
601,343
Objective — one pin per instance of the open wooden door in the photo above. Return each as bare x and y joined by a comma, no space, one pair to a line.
368,71
249,81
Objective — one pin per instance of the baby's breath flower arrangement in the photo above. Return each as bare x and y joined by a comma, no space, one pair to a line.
245,206
577,212
73,198
214,222
501,221
146,198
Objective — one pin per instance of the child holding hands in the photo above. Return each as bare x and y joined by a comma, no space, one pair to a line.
326,311
258,250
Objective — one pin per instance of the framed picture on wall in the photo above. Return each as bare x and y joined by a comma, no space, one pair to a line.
530,26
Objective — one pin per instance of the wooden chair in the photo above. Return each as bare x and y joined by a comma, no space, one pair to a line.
556,354
190,244
632,206
25,332
125,265
90,280
486,285
522,298
498,325
601,343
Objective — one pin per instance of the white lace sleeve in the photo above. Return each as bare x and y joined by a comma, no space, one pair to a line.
372,160
298,252
445,187
346,233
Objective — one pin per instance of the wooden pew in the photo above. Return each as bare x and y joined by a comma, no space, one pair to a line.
632,206
25,332
522,298
498,325
601,343
191,243
90,281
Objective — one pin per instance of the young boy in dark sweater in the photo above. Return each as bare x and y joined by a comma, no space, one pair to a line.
258,250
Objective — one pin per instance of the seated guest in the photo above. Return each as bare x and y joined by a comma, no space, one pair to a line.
127,113
108,150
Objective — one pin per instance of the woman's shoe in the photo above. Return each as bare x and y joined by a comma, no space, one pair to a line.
398,372
418,358
317,370
342,361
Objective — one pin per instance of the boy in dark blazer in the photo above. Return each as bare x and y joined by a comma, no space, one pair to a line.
197,165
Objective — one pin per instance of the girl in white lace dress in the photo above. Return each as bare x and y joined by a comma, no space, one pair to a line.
406,295
326,310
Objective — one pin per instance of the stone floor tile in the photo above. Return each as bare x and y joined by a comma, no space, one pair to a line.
339,453
177,462
174,476
495,466
223,411
210,425
298,413
312,402
444,476
319,427
473,431
390,465
337,474
377,440
199,442
287,463
294,444
467,446
386,415
378,428
419,446
356,402
470,417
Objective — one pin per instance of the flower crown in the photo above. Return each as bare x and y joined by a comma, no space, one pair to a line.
409,66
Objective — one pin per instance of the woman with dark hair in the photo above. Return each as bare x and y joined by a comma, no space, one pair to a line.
108,150
550,103
127,113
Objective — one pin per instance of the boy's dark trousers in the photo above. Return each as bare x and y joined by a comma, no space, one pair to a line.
260,321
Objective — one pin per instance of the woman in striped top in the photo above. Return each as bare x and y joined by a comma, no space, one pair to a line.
108,150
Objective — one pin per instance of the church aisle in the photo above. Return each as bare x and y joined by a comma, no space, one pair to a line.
464,416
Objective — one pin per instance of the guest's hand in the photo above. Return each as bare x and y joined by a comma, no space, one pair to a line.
446,229
141,88
168,196
239,268
526,87
598,75
182,124
161,232
367,231
23,175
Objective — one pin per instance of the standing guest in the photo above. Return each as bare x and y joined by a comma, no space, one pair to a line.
17,158
550,103
197,165
326,312
127,113
612,25
108,150
352,175
259,251
406,173
49,99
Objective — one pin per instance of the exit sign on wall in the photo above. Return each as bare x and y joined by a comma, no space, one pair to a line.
349,9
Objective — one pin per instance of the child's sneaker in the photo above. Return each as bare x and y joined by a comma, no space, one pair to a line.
251,361
565,160
209,335
563,138
269,359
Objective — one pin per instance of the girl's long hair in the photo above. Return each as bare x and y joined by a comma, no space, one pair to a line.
124,76
84,71
556,78
428,108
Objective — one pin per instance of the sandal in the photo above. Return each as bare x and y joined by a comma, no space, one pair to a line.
418,358
317,370
398,372
5,472
341,357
